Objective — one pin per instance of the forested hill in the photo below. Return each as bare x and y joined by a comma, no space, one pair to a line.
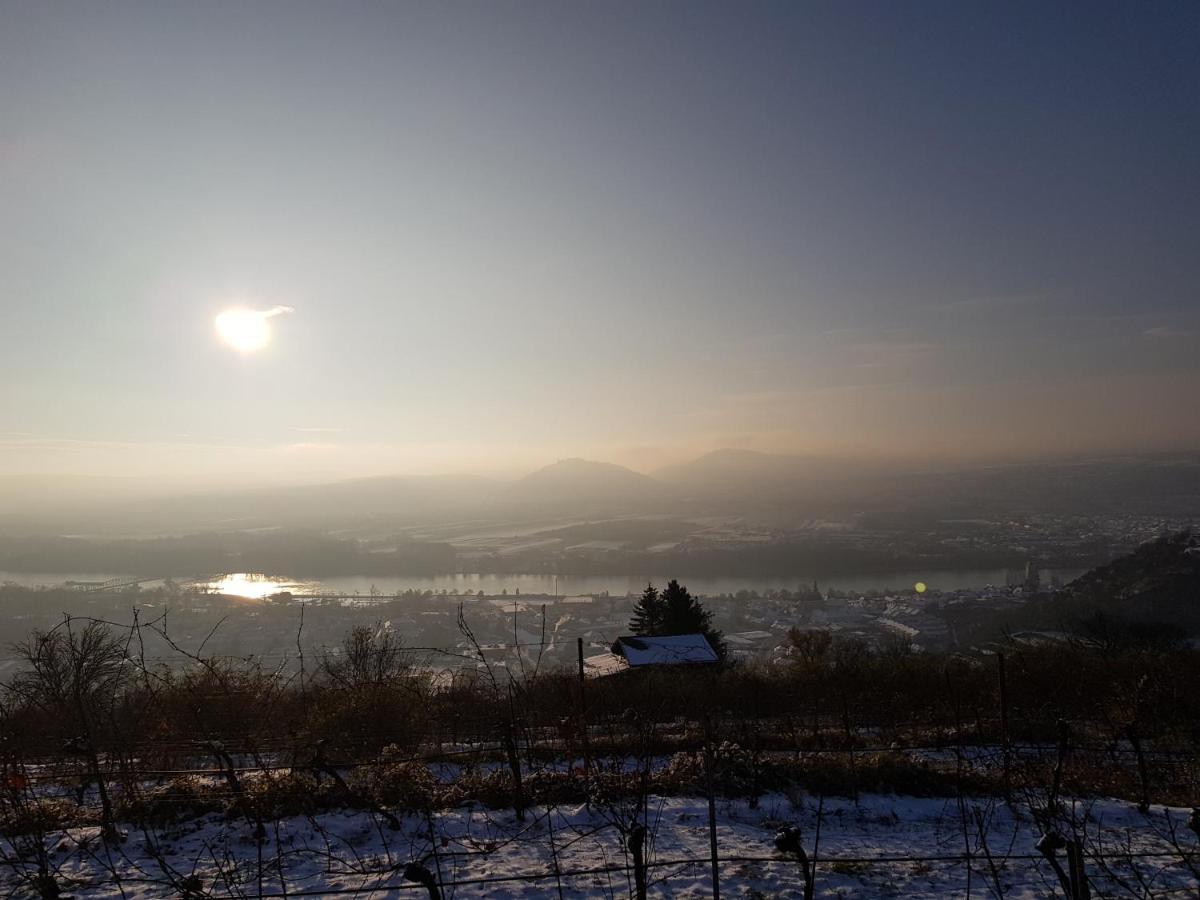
1158,585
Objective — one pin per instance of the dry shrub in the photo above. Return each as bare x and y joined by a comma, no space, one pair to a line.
883,773
183,797
399,783
358,721
289,794
43,815
735,773
492,789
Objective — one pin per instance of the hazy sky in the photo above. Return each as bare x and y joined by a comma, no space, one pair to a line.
510,232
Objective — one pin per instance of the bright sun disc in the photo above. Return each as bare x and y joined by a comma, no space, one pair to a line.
245,330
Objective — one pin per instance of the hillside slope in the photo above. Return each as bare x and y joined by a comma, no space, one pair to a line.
1156,585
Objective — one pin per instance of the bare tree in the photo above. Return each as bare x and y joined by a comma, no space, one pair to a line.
77,676
369,655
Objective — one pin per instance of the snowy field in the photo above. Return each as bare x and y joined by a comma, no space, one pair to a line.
866,849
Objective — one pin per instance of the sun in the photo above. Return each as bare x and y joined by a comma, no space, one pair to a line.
247,330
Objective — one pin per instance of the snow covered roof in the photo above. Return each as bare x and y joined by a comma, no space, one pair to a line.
748,637
666,650
604,664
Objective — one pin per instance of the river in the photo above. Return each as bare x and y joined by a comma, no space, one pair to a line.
619,585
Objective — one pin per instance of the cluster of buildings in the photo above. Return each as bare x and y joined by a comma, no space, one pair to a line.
533,630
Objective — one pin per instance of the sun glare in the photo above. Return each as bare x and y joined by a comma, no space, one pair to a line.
247,330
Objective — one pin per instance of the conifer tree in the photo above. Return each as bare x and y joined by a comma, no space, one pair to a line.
673,611
648,613
684,614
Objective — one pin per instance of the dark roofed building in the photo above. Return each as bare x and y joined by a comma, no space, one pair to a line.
666,650
636,652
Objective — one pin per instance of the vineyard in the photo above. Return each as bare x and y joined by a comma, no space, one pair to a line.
133,767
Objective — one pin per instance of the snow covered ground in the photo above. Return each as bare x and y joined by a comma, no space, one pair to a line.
475,850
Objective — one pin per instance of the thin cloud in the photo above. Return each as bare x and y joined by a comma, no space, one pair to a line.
997,301
1165,333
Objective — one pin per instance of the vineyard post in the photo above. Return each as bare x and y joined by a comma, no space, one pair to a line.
712,808
637,846
583,725
1079,882
1004,741
849,745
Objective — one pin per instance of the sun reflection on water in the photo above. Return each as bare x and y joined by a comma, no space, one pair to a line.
250,586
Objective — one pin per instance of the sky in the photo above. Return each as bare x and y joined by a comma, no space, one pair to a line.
496,234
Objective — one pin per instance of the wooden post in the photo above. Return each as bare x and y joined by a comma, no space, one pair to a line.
583,725
1080,888
712,812
1004,741
422,876
514,759
1143,775
1064,750
849,745
637,846
789,840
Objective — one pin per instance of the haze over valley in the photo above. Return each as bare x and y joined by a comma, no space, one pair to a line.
729,513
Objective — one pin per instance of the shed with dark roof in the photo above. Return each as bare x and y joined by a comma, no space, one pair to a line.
665,650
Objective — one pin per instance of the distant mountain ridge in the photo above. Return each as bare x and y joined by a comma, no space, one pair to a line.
594,486
776,490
